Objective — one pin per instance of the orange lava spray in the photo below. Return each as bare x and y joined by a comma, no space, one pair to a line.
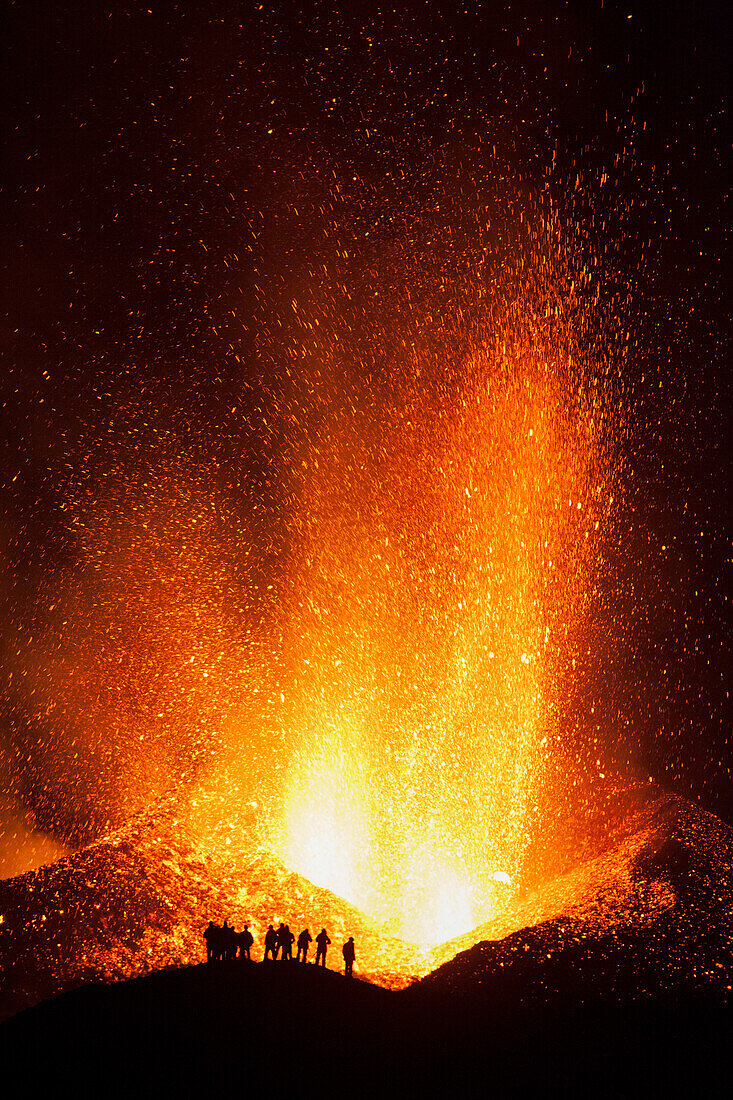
443,556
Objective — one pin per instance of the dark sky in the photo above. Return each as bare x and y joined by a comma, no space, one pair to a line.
142,147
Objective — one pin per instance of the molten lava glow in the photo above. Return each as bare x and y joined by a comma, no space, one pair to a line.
328,839
366,671
442,563
402,712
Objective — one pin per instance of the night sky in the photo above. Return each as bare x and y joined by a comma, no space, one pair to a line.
165,175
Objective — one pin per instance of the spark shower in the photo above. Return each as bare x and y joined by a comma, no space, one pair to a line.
450,485
348,623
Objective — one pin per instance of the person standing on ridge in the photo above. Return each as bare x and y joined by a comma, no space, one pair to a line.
270,944
323,941
280,941
210,937
349,953
246,939
287,944
304,941
225,941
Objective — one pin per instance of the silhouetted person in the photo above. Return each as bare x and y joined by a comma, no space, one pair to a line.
323,941
286,944
225,950
279,940
304,941
349,953
270,944
210,937
246,939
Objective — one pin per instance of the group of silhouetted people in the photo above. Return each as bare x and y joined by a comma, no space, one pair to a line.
226,943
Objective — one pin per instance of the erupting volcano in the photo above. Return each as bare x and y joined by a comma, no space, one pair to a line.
395,720
390,719
346,582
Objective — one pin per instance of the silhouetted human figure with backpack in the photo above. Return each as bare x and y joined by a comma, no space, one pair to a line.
270,944
246,939
286,944
226,944
304,941
322,941
349,953
210,937
279,940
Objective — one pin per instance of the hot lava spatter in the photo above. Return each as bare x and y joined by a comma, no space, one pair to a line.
140,899
379,655
446,517
442,576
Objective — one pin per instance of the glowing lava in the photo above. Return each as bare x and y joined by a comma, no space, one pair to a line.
442,559
365,674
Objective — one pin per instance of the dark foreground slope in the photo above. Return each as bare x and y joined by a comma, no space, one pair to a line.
287,1030
625,994
225,1029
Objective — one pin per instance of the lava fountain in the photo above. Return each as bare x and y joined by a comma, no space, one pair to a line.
389,718
444,531
443,569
